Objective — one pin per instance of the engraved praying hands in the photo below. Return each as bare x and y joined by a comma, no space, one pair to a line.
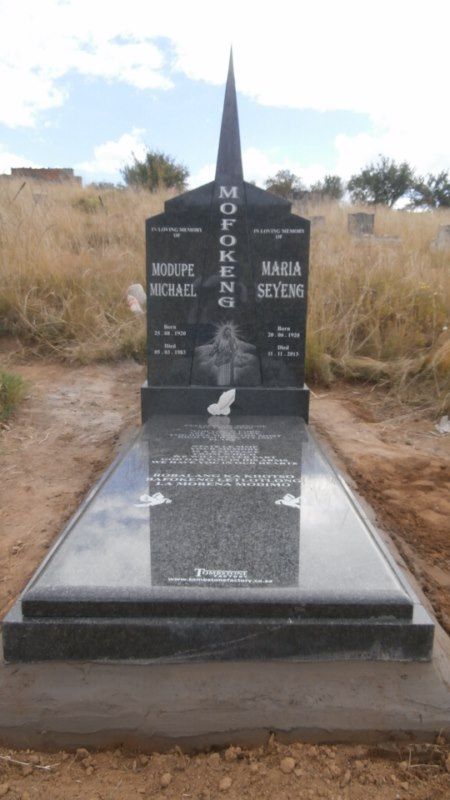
223,405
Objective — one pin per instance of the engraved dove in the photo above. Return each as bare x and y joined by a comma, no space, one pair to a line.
147,500
289,500
224,403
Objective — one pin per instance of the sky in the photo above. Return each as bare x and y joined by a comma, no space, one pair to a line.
324,86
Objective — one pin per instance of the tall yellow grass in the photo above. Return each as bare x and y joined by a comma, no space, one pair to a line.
378,308
67,256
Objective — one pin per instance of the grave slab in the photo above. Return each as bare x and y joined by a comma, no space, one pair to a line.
219,538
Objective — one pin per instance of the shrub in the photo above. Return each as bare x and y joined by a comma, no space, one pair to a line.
156,171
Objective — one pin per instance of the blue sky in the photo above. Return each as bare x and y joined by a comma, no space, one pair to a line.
321,89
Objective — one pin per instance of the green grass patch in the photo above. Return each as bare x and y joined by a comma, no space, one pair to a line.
12,391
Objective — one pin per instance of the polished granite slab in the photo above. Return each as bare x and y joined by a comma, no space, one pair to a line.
219,538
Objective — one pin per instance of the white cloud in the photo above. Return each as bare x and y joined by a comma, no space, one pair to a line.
136,63
23,93
204,175
8,160
41,43
110,157
387,61
428,152
260,165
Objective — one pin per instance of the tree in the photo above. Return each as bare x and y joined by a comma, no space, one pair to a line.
384,182
330,188
155,171
285,184
432,191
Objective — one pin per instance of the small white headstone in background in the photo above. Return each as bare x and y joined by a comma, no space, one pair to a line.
442,240
443,426
361,224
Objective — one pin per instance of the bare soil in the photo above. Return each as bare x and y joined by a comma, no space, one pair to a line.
276,772
400,465
56,446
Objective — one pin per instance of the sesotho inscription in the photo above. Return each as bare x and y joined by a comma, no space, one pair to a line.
211,481
208,479
224,447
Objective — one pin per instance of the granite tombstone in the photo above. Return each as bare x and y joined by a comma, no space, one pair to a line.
222,532
227,282
361,224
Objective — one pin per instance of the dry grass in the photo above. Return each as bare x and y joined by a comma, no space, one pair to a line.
66,261
377,308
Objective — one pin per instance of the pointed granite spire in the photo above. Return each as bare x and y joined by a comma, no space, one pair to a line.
229,159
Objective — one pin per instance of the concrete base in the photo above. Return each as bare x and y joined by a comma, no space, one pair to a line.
61,704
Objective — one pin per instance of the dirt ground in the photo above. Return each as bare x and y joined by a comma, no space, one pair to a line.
276,772
400,465
67,431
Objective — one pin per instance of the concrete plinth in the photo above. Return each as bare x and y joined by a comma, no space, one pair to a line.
60,704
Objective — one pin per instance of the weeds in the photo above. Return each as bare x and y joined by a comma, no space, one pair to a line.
12,391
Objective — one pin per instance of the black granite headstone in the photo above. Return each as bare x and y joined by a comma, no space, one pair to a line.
221,535
227,282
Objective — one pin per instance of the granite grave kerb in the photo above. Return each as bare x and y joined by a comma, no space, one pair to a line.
219,539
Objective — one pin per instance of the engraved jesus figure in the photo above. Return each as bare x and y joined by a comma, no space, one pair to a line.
227,360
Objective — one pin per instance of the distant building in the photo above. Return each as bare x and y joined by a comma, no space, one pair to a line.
48,174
